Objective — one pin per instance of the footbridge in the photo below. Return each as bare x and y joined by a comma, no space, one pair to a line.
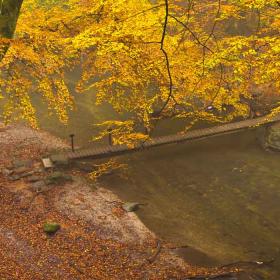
115,150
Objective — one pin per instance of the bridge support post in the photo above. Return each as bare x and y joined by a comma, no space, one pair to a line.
72,142
110,137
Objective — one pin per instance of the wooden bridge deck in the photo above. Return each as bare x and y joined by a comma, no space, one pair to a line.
110,151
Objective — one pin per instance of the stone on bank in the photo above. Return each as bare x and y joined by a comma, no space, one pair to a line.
272,137
51,228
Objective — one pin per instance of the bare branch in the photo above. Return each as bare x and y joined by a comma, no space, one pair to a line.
142,12
215,22
191,32
166,58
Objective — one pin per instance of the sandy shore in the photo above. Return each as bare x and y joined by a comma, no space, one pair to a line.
97,239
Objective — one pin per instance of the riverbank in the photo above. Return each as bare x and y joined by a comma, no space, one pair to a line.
97,239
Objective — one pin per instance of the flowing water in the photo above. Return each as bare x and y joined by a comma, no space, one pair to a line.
220,196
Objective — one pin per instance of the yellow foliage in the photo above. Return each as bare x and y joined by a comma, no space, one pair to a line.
211,53
103,168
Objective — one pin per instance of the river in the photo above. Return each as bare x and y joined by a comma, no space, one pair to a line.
219,196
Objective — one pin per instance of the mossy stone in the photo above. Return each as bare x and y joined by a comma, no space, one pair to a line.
51,228
22,163
57,178
272,139
130,206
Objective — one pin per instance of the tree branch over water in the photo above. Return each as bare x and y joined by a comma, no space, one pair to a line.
166,57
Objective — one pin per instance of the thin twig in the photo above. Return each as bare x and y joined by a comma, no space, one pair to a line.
191,32
247,263
215,22
208,277
154,256
142,12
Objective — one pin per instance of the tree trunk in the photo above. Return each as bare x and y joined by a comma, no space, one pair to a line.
9,12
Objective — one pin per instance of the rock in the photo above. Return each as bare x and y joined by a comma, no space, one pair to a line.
47,163
6,172
27,174
272,137
39,170
9,166
57,178
51,228
39,186
22,169
59,160
56,175
34,179
84,166
22,163
130,206
48,181
14,177
53,260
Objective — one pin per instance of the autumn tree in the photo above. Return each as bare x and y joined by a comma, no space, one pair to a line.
148,59
9,12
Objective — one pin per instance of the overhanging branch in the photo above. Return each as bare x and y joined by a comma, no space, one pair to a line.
166,58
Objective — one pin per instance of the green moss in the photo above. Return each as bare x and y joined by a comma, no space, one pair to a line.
51,228
58,177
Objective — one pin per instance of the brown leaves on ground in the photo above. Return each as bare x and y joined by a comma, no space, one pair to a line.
74,252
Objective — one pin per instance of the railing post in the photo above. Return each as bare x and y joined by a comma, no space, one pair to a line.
72,142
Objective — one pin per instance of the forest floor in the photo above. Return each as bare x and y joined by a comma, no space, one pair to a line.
97,238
